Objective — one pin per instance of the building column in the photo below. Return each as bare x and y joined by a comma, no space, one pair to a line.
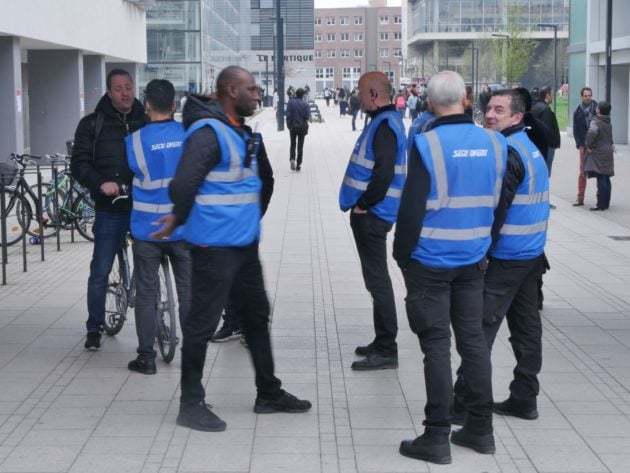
93,80
55,98
11,98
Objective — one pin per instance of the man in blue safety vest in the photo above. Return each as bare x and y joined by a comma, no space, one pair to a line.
517,258
371,191
442,236
153,153
216,192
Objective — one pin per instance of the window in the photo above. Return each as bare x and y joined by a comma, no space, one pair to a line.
397,19
397,52
344,36
398,35
384,36
324,72
350,72
358,53
331,53
358,20
318,38
344,53
343,20
330,20
383,52
358,36
390,75
318,53
318,21
384,20
330,37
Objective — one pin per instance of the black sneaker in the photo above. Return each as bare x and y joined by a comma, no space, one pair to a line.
142,366
226,333
509,407
298,167
480,443
200,417
292,162
374,361
431,447
93,341
285,402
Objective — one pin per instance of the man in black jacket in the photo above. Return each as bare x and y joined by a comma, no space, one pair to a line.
212,191
99,162
543,112
582,117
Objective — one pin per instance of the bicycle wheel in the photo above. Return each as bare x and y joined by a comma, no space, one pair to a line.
166,313
83,214
57,218
18,214
48,228
115,299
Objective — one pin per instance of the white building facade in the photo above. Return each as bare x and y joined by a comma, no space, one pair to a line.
54,57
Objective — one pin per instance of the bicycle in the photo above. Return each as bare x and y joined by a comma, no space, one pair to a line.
121,295
68,209
20,198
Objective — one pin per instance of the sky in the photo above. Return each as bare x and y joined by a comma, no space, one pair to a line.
349,3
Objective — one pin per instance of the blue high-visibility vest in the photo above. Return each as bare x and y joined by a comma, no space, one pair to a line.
359,170
524,233
466,165
153,153
226,211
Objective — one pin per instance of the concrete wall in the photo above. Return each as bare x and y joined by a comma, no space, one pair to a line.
114,28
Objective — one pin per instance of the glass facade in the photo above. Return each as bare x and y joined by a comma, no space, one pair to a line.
457,16
298,24
189,41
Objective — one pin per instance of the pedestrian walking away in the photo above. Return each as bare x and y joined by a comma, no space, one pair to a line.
99,163
582,117
442,235
298,114
517,260
153,153
371,192
216,192
600,153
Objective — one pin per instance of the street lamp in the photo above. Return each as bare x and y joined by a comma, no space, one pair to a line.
475,68
555,58
507,38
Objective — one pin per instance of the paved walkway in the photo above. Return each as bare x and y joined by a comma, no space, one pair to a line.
66,410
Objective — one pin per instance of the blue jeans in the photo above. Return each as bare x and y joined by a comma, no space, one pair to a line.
603,191
147,257
110,229
551,152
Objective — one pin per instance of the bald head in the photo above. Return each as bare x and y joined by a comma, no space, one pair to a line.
374,90
237,91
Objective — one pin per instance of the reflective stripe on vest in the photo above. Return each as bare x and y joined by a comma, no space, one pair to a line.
141,161
441,178
153,208
532,196
226,199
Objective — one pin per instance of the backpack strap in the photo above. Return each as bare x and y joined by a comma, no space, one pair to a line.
98,127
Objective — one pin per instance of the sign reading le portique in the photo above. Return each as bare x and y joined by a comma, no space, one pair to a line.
288,58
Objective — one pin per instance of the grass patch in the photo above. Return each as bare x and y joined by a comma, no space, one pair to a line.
562,111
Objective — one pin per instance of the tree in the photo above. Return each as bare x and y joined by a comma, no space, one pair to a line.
513,53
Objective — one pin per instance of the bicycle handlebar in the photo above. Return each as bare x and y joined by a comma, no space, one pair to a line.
24,159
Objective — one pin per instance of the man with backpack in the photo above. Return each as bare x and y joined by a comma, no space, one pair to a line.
99,163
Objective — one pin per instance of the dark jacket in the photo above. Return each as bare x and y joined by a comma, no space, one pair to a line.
201,153
580,123
599,147
298,114
94,163
543,112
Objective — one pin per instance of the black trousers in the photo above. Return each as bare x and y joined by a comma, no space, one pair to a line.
213,274
370,236
297,141
436,301
511,291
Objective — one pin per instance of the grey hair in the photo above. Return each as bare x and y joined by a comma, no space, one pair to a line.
445,89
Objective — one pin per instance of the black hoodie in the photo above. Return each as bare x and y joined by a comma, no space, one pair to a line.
106,160
202,152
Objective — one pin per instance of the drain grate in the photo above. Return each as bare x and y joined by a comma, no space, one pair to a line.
620,238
